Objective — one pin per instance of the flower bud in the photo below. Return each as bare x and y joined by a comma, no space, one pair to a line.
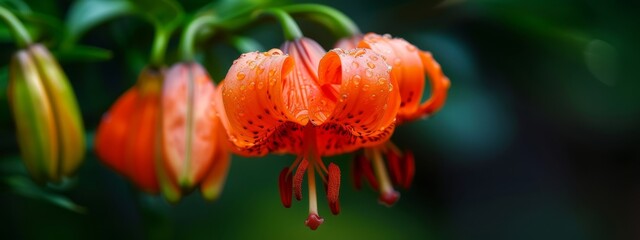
48,121
126,138
192,144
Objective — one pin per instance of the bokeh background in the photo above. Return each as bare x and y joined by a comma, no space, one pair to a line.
539,138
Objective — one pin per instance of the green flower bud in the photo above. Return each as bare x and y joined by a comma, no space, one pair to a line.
48,121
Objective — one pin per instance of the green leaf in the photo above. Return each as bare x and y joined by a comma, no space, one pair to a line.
81,52
165,13
16,5
23,186
4,81
84,15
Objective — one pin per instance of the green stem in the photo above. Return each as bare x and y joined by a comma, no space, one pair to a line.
188,38
160,42
289,26
20,33
346,26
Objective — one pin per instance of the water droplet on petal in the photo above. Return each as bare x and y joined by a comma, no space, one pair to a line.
386,36
260,69
373,58
397,61
371,65
369,73
356,79
252,64
355,65
240,76
382,81
252,85
275,52
365,88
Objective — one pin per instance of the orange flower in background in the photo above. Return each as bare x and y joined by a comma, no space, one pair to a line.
409,65
193,139
167,136
126,137
312,104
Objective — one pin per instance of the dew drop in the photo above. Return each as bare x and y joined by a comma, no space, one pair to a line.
355,65
272,81
371,65
240,76
272,72
386,36
411,48
252,64
358,52
365,88
382,81
356,79
260,85
275,52
260,69
373,58
373,96
397,61
390,87
252,85
242,87
369,73
343,97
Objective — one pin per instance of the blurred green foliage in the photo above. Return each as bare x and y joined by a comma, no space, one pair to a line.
538,139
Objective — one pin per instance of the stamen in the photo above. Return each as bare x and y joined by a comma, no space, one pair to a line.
333,188
395,170
297,179
388,195
356,171
314,220
368,173
409,169
285,185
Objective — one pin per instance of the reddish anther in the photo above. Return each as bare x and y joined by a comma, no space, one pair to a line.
286,187
395,168
367,170
313,221
333,188
297,179
356,171
409,169
389,198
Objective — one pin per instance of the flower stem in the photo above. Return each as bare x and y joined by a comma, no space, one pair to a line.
20,33
188,38
346,26
289,26
160,42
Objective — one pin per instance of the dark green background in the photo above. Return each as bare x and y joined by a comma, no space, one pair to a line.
530,144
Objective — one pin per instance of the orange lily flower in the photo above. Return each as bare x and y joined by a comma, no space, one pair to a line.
126,136
193,138
312,104
409,67
150,136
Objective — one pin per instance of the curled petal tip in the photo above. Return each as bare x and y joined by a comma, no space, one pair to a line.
389,198
313,221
